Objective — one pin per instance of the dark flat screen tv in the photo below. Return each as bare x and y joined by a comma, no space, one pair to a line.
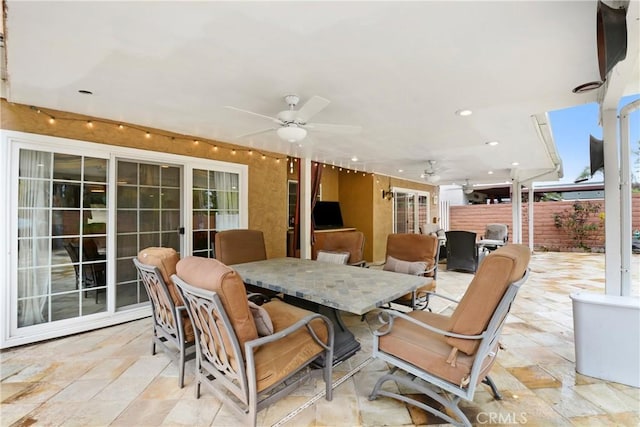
327,215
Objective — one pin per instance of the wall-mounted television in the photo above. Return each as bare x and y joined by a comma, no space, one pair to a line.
327,215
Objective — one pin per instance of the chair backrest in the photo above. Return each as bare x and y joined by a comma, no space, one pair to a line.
213,275
340,241
414,248
239,246
462,252
472,314
496,232
165,259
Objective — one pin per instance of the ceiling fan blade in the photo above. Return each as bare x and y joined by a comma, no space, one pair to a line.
342,129
273,119
311,108
258,132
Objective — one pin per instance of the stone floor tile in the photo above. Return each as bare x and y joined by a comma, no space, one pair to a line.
567,402
534,377
607,398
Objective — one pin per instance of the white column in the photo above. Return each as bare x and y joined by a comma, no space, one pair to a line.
516,211
305,208
612,257
531,194
625,196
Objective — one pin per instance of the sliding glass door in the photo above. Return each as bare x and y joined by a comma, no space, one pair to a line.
410,210
148,213
80,212
61,235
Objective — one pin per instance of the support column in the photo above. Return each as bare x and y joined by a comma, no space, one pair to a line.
531,201
516,211
305,208
612,257
625,197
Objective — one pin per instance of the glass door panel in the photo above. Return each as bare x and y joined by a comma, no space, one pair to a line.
62,226
148,214
215,207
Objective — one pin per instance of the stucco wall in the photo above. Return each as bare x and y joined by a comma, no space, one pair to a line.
546,235
267,177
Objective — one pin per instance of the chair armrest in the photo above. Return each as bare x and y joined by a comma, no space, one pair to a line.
362,263
392,314
302,323
373,264
258,298
435,294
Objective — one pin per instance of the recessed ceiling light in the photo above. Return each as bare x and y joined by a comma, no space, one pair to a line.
490,172
515,164
492,143
464,113
85,92
400,170
354,159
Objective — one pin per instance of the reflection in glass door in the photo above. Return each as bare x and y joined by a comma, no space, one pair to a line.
62,225
216,207
410,210
147,214
403,212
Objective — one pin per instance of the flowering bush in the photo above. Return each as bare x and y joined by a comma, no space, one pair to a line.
577,223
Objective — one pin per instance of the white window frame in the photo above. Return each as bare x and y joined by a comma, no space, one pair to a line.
12,142
416,194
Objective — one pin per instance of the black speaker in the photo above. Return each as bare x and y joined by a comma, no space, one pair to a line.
596,154
611,27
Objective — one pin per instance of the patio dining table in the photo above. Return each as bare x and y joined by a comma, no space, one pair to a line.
329,288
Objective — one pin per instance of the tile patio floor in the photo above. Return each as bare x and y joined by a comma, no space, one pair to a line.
108,376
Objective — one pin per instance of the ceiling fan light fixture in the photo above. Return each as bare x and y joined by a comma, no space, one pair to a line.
432,178
292,133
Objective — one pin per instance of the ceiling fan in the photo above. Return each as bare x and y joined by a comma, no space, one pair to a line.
293,124
431,173
467,188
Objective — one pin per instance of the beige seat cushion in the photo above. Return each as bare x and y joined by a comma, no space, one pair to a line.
166,259
428,350
276,360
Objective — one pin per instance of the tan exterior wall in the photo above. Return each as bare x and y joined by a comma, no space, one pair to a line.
267,177
546,235
356,204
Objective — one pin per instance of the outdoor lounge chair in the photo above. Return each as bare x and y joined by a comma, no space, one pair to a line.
172,329
414,254
495,236
239,246
454,353
351,242
462,251
249,356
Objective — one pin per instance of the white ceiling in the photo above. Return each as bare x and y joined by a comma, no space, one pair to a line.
399,70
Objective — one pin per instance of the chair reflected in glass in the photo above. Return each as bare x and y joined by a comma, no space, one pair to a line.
90,268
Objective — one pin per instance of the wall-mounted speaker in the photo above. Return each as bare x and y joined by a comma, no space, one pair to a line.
611,27
596,154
